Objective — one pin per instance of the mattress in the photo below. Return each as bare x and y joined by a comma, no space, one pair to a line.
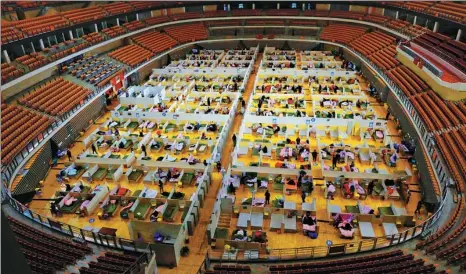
367,231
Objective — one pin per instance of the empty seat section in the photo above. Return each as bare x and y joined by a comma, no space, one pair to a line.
85,14
114,31
157,20
32,61
40,249
131,55
444,47
10,72
245,12
188,33
217,13
185,16
342,33
41,24
303,23
372,42
283,12
95,70
10,33
264,22
93,38
449,10
397,24
56,97
131,26
65,48
347,14
19,127
380,19
117,8
145,5
155,41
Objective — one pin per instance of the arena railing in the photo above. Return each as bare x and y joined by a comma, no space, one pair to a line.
431,67
75,232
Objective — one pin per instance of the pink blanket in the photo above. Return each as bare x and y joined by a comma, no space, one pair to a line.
309,227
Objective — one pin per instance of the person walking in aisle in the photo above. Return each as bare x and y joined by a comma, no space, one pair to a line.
94,150
267,197
161,186
233,138
68,153
418,207
314,157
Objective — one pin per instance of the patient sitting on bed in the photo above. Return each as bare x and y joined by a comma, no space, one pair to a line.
346,230
309,223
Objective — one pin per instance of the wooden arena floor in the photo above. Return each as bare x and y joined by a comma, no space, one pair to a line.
198,243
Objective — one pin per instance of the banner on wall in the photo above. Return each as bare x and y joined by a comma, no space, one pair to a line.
117,81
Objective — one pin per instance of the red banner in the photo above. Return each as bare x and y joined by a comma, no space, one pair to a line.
117,81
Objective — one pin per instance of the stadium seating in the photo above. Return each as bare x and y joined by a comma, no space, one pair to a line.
185,16
110,262
32,61
264,22
155,41
84,15
64,49
42,24
242,12
283,12
388,262
445,47
451,10
217,13
342,33
93,38
114,31
117,8
188,33
135,25
19,127
10,34
56,97
96,71
397,24
145,5
131,55
157,20
10,72
40,249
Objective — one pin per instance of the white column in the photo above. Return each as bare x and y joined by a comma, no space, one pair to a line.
7,58
229,7
41,42
253,6
33,49
96,28
396,16
278,6
71,34
458,36
24,51
435,27
304,6
415,19
137,16
118,21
